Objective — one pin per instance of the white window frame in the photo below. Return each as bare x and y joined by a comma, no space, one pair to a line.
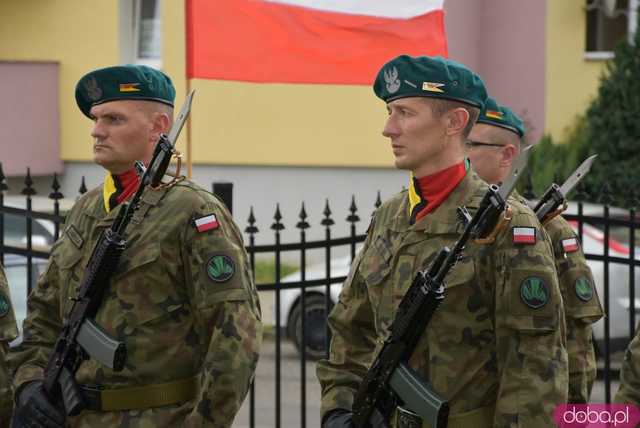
129,33
631,13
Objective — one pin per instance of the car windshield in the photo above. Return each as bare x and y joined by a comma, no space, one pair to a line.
622,234
15,232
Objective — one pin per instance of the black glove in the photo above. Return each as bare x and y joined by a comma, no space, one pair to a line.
338,418
34,410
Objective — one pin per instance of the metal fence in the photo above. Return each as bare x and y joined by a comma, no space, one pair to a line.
618,274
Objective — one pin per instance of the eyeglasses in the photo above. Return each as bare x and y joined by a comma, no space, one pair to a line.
471,144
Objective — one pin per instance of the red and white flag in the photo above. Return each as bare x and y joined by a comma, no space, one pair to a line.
295,76
207,222
524,235
570,245
308,41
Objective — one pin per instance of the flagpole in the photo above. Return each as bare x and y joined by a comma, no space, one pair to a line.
189,161
188,84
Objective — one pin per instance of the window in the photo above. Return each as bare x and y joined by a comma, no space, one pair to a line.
140,32
607,24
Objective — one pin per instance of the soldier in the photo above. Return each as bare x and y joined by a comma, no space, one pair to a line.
492,146
182,299
495,348
8,332
629,391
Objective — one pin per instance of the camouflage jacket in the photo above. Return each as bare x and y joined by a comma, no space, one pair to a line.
496,342
581,304
629,390
8,332
181,300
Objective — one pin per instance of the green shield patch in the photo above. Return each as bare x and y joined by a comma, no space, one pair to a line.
220,268
534,292
584,290
4,305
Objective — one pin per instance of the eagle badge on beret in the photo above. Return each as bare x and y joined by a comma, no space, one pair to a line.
94,93
391,80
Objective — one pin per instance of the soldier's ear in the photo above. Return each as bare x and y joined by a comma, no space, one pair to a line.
160,125
456,121
507,154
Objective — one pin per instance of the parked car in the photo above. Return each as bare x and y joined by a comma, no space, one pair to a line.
592,243
15,235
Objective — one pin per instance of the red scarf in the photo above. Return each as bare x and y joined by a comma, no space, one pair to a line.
126,185
435,188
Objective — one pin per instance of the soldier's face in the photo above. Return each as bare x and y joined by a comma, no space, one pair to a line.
417,135
490,162
123,132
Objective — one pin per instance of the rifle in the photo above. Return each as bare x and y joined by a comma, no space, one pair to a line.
554,199
81,338
390,381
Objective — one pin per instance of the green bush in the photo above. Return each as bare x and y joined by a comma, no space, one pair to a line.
613,125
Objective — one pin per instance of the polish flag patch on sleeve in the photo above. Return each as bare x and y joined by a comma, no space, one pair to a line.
207,222
570,245
524,235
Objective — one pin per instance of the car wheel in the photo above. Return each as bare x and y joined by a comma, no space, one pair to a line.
315,326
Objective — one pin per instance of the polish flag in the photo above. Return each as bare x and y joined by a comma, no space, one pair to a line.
524,235
570,245
295,77
308,41
207,223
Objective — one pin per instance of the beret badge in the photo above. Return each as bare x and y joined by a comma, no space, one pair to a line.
94,93
391,80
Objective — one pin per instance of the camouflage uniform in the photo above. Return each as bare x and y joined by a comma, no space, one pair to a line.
8,332
498,361
629,391
181,300
582,309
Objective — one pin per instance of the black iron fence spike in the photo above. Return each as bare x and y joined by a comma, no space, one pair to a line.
528,187
56,194
303,212
378,201
83,187
633,201
353,217
581,192
28,182
3,183
277,226
251,229
302,224
327,221
606,197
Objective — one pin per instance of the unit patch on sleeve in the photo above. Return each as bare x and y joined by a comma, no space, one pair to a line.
4,305
524,235
584,290
534,292
220,268
207,222
570,245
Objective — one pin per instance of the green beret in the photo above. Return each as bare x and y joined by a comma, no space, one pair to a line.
123,82
498,115
425,76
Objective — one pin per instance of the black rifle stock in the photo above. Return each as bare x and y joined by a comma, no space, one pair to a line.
390,381
81,337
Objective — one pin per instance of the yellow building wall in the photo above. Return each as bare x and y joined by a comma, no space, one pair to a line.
571,80
79,35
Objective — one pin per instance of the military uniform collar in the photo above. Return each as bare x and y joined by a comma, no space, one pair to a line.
444,219
95,208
